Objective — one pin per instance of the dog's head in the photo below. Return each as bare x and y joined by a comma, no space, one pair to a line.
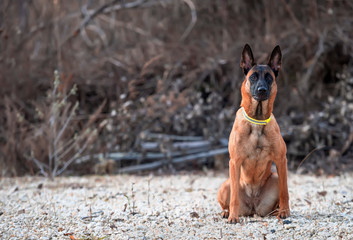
260,79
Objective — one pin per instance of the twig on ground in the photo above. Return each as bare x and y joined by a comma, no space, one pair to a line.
308,155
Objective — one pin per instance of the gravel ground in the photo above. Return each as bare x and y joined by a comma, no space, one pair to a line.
167,207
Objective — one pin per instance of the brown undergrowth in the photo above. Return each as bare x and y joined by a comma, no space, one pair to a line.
172,67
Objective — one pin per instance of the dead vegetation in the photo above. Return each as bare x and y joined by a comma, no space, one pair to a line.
172,67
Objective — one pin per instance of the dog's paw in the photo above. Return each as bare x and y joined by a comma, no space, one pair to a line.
283,213
225,214
233,220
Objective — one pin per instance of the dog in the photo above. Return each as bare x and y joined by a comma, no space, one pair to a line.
254,143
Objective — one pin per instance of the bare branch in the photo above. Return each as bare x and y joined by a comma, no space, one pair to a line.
67,121
192,22
92,15
305,79
40,165
72,159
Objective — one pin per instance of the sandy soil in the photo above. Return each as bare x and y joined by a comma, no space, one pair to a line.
168,207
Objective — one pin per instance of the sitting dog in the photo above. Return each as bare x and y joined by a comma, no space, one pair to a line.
254,143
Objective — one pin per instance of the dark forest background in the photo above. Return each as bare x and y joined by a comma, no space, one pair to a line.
126,86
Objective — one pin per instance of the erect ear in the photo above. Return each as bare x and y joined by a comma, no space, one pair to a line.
247,59
275,60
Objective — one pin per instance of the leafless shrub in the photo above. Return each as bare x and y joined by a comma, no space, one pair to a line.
55,135
55,140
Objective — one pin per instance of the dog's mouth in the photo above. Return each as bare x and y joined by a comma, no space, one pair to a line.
261,97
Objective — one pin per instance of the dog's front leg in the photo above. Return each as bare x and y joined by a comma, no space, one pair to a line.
234,173
283,188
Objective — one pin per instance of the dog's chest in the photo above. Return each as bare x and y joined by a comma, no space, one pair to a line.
256,144
256,157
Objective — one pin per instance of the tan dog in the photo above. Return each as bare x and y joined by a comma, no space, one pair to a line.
254,143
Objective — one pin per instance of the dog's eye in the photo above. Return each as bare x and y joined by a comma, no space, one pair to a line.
253,77
268,77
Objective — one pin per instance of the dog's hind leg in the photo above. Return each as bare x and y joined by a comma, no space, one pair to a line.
223,197
269,198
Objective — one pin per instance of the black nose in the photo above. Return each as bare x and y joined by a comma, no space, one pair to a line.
261,90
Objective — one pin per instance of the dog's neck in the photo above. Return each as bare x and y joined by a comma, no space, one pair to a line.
255,109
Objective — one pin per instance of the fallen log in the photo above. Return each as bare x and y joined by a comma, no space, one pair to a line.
183,159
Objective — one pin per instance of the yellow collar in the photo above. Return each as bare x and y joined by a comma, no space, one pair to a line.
255,121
